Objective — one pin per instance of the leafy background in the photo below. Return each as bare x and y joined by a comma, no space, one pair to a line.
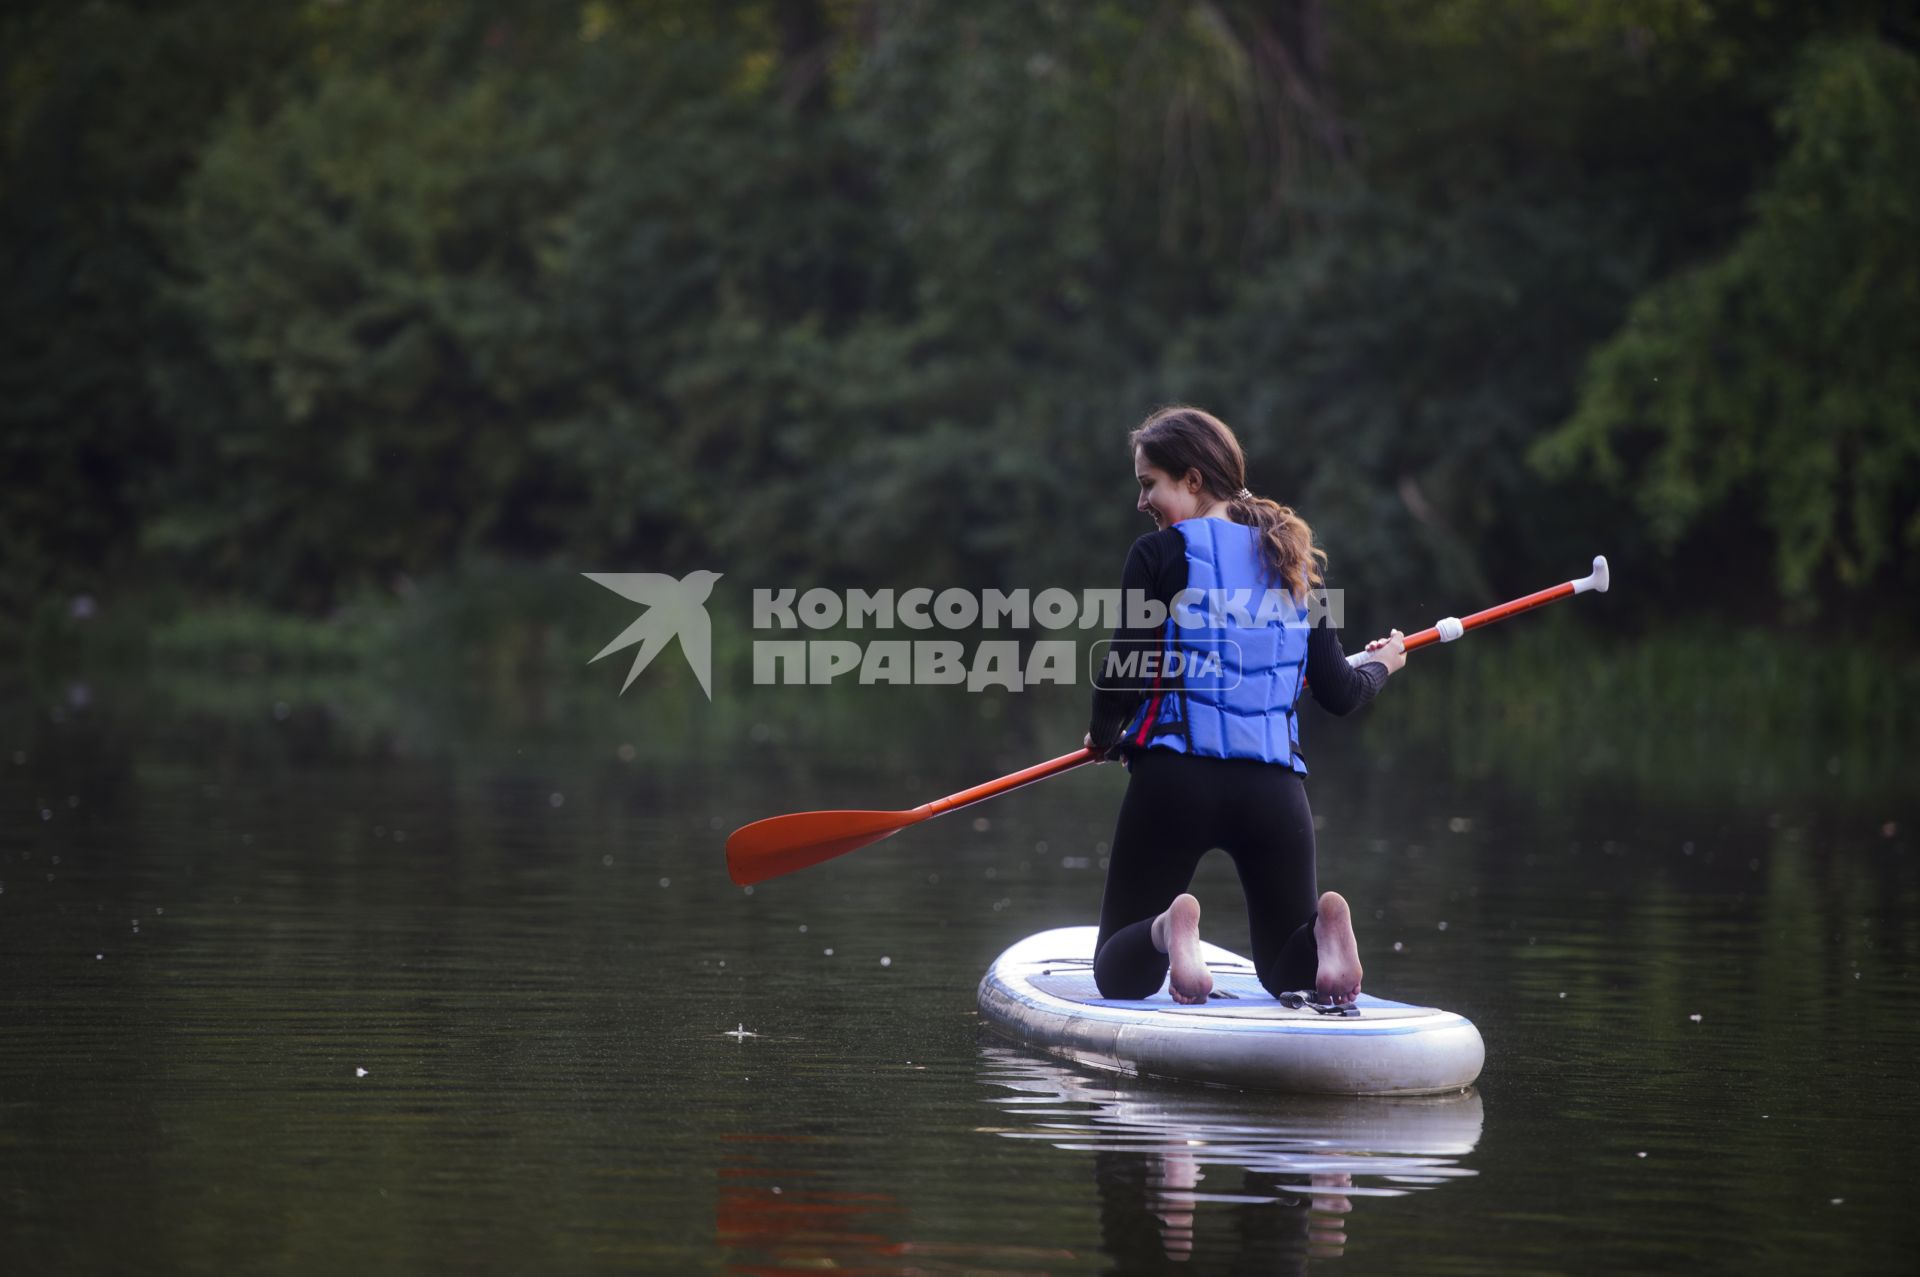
311,303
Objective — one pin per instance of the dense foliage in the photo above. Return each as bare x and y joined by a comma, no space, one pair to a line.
310,299
1786,372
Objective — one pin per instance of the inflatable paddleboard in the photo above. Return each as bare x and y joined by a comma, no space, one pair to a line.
1041,992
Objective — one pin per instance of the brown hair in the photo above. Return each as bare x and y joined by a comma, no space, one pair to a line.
1180,439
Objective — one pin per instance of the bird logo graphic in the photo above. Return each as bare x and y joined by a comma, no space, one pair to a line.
675,608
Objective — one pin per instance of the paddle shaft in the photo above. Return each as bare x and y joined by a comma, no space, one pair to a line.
1005,784
1452,627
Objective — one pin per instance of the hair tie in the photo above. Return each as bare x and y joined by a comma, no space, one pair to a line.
1243,495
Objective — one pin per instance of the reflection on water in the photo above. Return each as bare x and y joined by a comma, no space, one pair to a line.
1282,1174
774,1216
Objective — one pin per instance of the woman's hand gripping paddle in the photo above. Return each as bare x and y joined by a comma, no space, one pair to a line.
782,844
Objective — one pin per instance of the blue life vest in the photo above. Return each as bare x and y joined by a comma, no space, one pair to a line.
1240,668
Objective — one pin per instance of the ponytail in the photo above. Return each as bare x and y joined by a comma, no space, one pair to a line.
1287,550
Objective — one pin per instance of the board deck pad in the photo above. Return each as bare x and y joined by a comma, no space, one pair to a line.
1237,992
1042,992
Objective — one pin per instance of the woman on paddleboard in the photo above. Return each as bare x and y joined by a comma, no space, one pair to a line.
1211,739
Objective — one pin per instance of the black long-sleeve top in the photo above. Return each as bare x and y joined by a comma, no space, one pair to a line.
1157,568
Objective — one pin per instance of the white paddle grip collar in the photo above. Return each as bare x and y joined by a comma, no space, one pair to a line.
1596,580
1449,628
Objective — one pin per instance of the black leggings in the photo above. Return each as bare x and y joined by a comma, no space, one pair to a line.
1179,807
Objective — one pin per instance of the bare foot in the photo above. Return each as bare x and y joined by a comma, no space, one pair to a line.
1176,933
1339,978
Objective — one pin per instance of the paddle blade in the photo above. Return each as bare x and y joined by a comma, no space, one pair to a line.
783,844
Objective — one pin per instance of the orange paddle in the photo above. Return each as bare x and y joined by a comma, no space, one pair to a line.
782,844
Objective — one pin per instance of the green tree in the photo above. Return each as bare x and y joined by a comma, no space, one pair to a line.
368,269
104,105
1786,373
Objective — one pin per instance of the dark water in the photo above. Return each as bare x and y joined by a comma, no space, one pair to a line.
296,985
